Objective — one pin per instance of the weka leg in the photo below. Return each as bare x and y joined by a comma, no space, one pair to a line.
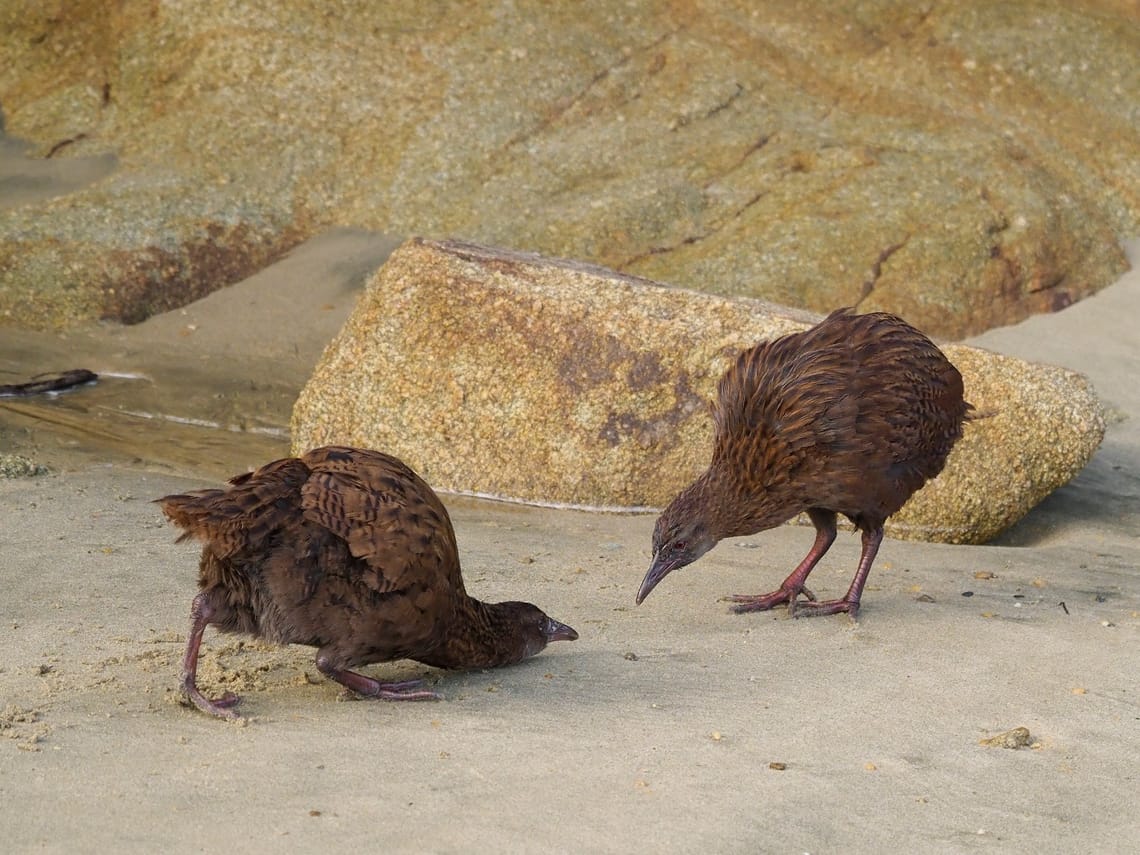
201,615
791,587
408,690
850,601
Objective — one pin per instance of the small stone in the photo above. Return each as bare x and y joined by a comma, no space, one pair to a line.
1017,738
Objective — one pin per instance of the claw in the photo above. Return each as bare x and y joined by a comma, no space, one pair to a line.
762,602
829,607
366,687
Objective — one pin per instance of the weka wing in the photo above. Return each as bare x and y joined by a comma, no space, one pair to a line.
344,549
853,415
382,578
386,514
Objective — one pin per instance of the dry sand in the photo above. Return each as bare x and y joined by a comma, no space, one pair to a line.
673,726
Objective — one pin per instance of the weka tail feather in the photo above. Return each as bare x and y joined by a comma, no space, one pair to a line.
198,514
244,516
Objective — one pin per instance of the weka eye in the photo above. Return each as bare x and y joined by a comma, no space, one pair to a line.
679,545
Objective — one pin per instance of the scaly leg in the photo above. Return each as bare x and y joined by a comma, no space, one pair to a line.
791,587
408,690
850,601
201,613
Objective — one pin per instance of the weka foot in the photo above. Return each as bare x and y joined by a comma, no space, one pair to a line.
222,707
201,614
366,687
408,690
827,607
764,602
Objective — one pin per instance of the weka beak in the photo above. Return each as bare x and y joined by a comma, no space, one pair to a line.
660,568
555,631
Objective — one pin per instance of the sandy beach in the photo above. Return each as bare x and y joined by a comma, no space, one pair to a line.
673,726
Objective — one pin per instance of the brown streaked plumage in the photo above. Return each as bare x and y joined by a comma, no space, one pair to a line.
849,417
349,551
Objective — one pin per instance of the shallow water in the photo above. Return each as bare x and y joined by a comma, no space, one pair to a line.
157,410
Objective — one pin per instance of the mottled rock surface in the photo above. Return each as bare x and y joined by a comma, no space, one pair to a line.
963,164
1043,423
511,375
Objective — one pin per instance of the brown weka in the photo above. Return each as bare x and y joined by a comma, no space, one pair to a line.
351,552
849,417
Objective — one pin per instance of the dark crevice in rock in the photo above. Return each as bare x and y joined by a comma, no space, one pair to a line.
64,143
565,105
689,240
877,268
719,107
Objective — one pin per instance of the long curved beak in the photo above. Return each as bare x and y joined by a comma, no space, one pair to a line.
555,631
658,570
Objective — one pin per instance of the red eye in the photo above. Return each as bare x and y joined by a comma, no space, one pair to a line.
679,545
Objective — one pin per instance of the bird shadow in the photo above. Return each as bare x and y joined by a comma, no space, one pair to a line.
1103,497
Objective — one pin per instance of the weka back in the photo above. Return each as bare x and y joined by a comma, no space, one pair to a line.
342,548
853,415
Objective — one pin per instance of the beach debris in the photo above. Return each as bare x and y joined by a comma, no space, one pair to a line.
49,383
19,466
1019,737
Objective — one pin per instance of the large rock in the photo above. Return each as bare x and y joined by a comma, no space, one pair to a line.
510,375
964,163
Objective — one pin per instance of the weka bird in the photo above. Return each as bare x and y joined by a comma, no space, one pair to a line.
849,417
351,552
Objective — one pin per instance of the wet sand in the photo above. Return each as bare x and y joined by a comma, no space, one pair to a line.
671,726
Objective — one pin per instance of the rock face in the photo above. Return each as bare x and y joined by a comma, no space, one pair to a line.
520,377
963,164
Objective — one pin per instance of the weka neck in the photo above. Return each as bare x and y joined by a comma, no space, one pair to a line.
733,509
479,637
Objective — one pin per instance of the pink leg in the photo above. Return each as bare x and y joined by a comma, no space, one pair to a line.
200,614
850,601
791,587
408,690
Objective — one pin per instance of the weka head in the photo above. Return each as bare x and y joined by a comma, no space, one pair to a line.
681,536
524,630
